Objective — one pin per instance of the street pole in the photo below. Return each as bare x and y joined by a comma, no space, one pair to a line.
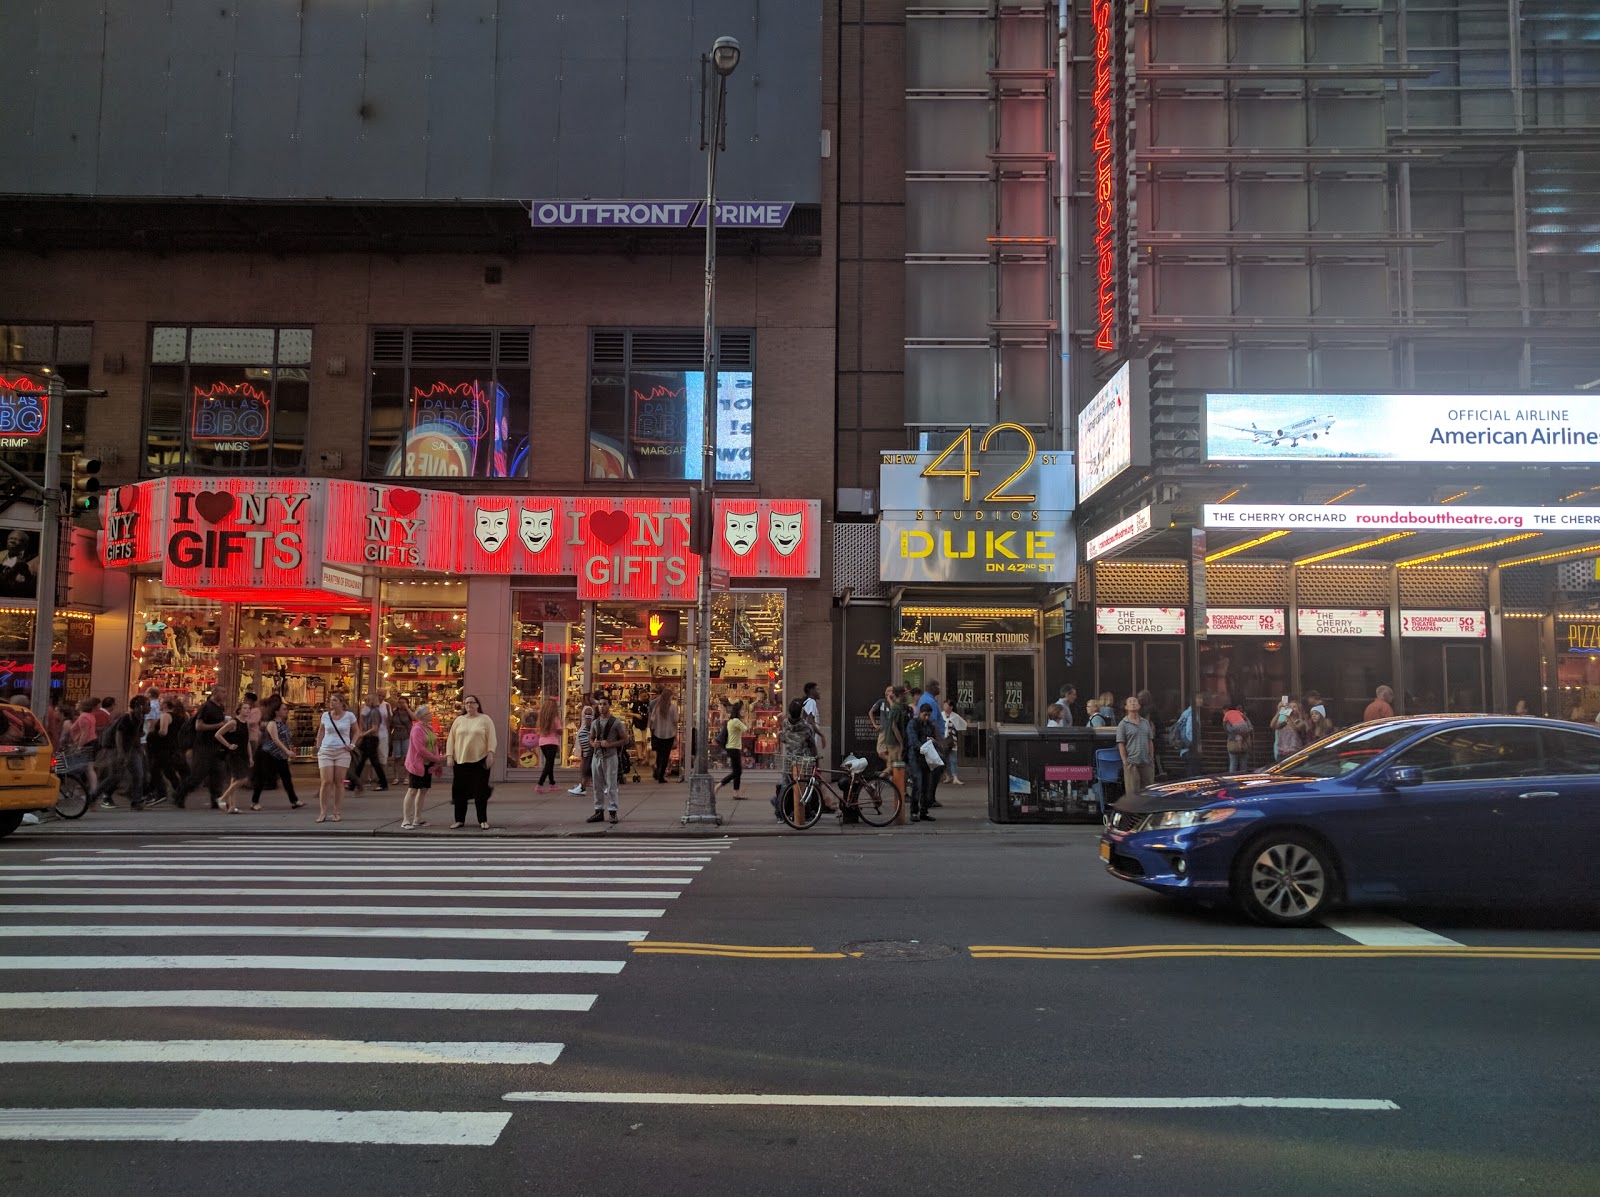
702,802
44,618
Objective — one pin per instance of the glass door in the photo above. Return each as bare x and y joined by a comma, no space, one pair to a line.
966,685
1463,675
1015,690
1163,677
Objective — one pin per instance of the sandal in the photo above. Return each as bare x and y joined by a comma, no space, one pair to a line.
407,826
420,823
483,826
453,826
338,818
255,806
322,818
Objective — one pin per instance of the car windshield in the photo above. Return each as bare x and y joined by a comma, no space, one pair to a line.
19,727
1344,753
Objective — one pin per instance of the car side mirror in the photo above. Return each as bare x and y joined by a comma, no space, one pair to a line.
1403,775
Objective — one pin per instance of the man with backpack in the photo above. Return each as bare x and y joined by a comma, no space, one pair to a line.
200,733
1183,737
122,757
607,736
1240,732
368,747
662,722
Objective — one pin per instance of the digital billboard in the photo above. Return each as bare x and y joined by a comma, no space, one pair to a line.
1487,429
1113,431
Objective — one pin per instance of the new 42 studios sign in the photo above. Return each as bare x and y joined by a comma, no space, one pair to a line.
992,507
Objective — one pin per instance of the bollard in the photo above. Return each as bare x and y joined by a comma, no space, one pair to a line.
897,770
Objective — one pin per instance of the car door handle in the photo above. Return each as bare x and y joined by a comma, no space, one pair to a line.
1540,794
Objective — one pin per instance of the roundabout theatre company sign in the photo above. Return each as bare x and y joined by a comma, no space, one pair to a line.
295,534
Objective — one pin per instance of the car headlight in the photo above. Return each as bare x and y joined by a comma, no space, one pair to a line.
1174,819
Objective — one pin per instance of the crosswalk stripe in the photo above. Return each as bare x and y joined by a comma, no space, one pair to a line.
1382,931
112,931
405,1128
242,867
398,848
421,912
588,895
270,1051
178,876
164,860
293,999
348,964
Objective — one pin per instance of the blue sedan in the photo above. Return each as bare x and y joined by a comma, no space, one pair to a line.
1432,808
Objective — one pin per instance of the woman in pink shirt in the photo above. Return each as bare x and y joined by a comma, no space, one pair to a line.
549,729
422,762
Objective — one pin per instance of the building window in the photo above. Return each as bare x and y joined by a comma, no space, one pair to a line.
449,402
227,400
41,349
647,404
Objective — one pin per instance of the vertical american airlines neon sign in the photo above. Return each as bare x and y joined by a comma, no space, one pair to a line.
1105,188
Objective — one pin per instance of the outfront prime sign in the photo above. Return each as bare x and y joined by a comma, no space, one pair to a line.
1313,517
657,214
1470,429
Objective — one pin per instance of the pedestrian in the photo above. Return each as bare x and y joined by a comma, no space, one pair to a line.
930,703
1053,715
469,748
274,753
1105,711
368,747
1069,695
1521,708
607,737
82,740
548,728
585,748
812,708
1289,729
733,730
104,714
123,758
927,758
422,766
385,714
233,739
799,750
1381,706
954,726
1185,738
400,720
334,750
1236,726
1317,717
880,710
889,744
662,722
1136,744
167,770
57,717
206,765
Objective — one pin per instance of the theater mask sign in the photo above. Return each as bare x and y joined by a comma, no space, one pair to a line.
978,511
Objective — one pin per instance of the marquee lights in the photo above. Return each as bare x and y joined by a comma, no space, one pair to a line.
1355,548
1220,554
1105,188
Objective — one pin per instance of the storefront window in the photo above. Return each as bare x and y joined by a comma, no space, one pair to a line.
546,662
1578,670
424,645
449,403
647,404
177,641
1346,671
1247,672
227,400
747,658
71,653
41,349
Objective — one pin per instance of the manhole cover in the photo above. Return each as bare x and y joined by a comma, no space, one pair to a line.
898,949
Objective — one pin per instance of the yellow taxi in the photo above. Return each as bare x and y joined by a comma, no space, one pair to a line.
26,782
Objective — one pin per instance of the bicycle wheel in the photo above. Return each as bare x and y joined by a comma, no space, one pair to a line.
73,798
810,804
879,802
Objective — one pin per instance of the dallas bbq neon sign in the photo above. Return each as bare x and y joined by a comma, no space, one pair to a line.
1105,187
229,412
23,404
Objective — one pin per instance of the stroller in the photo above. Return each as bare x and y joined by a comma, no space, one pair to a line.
1107,777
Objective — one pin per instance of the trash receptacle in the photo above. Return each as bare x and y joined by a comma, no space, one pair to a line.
1045,775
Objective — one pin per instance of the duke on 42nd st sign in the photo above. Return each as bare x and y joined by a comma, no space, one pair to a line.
990,507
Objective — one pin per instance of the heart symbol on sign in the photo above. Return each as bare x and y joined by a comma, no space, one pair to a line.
610,526
126,498
403,502
214,505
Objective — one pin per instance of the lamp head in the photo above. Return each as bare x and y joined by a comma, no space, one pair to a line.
725,55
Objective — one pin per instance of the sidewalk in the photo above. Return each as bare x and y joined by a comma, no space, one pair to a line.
646,809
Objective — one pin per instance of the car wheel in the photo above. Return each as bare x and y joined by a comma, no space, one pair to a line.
1285,879
10,820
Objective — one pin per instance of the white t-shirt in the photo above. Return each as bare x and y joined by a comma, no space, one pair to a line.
332,741
811,709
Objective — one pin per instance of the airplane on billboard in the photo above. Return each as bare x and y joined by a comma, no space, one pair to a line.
1308,429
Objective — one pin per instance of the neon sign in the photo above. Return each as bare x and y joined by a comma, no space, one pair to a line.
1105,187
23,407
232,415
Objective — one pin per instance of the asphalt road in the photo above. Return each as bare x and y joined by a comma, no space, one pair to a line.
766,967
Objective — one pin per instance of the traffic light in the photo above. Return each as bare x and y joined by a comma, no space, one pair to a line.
86,495
663,626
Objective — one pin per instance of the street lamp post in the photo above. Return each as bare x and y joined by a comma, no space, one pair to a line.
702,803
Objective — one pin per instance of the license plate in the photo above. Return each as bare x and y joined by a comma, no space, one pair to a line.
17,763
1105,852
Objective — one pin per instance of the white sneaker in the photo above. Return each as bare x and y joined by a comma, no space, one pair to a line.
30,818
577,790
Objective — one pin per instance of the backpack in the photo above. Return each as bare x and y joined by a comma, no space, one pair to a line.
182,734
722,737
108,737
1180,735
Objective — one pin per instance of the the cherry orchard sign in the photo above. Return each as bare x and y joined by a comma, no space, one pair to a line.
278,533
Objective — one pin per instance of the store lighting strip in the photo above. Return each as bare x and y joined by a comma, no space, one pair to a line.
1588,549
971,612
33,611
1355,548
1241,547
1465,549
1524,615
1341,495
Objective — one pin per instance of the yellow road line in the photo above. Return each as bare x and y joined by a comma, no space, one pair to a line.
739,947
